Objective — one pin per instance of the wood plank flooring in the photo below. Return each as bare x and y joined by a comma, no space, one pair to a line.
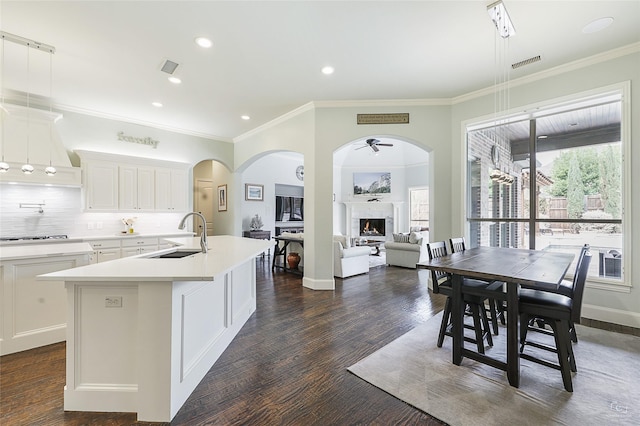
287,366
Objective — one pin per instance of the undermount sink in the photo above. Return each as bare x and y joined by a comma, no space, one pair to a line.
178,254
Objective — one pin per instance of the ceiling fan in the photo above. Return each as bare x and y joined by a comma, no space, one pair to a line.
374,144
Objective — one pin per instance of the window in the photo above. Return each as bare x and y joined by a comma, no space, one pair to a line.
419,207
552,181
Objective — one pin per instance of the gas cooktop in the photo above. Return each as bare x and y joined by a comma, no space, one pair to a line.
36,237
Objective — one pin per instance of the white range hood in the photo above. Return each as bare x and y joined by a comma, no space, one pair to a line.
44,146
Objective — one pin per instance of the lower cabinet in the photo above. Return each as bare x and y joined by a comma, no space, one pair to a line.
34,312
104,250
136,246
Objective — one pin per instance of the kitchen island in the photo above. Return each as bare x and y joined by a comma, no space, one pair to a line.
143,331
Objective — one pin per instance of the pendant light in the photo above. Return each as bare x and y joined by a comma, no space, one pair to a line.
4,166
27,168
50,170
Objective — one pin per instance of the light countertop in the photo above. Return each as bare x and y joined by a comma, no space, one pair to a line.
43,250
85,238
225,253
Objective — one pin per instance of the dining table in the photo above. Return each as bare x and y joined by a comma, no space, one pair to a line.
536,269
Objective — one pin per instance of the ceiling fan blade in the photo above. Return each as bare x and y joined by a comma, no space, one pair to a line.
360,147
384,144
375,148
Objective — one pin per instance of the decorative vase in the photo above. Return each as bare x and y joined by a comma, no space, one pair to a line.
293,259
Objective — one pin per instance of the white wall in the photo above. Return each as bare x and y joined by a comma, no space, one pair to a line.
272,169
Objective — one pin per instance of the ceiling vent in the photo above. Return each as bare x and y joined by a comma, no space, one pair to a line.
169,67
525,62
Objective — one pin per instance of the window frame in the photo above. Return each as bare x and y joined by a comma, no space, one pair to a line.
546,108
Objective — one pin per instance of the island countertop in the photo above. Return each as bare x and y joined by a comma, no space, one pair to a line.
225,252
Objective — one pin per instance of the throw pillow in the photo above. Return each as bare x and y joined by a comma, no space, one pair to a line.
401,238
415,238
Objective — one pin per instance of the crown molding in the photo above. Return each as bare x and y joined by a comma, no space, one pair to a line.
281,119
108,116
560,69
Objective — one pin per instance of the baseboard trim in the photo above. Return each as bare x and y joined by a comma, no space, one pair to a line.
319,284
613,316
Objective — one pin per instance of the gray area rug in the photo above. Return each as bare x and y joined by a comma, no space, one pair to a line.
380,260
606,387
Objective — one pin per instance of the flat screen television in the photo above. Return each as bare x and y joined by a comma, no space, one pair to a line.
289,209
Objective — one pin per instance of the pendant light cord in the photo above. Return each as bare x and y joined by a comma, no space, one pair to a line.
28,97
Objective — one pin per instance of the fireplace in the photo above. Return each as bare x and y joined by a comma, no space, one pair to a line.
372,227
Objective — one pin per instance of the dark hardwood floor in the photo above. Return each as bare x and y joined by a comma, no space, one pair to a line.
287,366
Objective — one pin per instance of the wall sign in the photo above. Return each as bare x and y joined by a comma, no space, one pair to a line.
142,141
397,118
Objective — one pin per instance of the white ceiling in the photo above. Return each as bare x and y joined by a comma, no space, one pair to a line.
267,55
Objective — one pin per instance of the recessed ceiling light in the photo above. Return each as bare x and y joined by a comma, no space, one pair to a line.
204,42
543,137
597,25
157,104
175,80
327,70
245,117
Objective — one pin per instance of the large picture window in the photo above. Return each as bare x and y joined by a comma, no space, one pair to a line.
552,180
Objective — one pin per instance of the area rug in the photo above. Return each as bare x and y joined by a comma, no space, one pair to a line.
606,387
379,260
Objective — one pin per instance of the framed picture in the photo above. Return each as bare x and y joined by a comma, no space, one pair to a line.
253,192
371,183
222,198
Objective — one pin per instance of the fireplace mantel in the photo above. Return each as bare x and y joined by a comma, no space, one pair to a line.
389,210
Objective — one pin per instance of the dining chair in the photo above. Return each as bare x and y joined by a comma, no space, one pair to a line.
442,283
566,289
557,311
496,307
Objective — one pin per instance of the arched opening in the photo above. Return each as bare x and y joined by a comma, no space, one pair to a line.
381,187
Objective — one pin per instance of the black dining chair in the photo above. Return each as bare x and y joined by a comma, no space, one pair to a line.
557,311
566,289
442,284
496,307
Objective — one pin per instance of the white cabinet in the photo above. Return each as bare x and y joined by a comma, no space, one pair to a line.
34,312
172,188
101,186
135,246
136,188
117,182
104,250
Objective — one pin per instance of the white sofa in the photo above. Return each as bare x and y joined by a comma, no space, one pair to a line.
407,254
349,261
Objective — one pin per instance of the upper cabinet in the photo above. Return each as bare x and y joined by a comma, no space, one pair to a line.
172,187
121,183
100,185
136,188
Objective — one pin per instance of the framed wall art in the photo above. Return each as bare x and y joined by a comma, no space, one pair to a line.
253,192
222,198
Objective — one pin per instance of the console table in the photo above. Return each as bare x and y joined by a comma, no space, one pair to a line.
258,235
282,251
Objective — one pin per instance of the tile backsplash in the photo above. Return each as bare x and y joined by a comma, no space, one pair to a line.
62,214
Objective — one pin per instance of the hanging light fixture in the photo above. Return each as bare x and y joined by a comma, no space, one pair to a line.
50,170
27,168
4,166
505,29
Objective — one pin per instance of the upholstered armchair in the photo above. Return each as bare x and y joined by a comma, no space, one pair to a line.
407,249
349,261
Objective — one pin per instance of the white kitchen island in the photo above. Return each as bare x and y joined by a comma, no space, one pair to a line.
142,332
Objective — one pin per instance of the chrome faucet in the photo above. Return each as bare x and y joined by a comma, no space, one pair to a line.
203,234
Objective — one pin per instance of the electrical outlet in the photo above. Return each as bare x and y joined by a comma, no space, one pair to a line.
113,301
98,225
89,225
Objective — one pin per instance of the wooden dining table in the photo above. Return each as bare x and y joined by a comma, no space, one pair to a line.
538,269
